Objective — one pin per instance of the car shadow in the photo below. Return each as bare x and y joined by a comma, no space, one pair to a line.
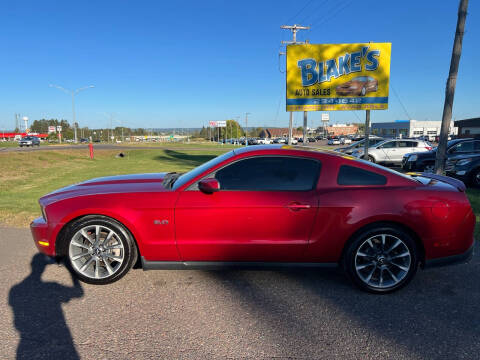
38,314
183,159
435,316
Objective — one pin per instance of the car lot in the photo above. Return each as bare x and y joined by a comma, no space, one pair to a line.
232,314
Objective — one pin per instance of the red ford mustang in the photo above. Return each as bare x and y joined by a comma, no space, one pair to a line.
261,207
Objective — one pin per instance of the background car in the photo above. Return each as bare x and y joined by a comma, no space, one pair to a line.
333,141
360,85
345,140
29,141
373,140
264,141
465,167
392,151
425,161
288,206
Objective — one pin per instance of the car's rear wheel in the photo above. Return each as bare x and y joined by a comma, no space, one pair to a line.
99,250
381,260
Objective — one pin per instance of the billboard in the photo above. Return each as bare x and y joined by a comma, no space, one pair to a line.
331,77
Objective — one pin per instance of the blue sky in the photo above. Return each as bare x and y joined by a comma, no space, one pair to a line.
180,64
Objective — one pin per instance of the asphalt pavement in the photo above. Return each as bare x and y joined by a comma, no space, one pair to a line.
303,314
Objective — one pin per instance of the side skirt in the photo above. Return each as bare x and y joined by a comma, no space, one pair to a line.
218,265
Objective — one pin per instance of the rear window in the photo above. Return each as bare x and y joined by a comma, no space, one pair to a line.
351,175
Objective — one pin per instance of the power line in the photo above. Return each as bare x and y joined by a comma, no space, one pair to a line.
327,18
299,12
400,101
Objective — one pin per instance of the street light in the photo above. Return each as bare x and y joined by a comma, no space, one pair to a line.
72,93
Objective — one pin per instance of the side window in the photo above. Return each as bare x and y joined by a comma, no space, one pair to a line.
466,146
270,173
351,175
412,144
389,145
404,144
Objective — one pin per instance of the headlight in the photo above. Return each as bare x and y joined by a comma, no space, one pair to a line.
413,158
464,161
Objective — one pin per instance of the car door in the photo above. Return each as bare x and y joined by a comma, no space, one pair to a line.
403,147
264,211
387,151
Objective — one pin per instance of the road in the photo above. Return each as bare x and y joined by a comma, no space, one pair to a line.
307,314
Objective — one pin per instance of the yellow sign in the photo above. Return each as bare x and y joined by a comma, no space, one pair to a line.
331,77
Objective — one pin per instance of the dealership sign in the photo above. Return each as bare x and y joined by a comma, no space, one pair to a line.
338,77
221,123
51,129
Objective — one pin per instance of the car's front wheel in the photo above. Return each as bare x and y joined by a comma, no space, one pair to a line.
381,259
99,250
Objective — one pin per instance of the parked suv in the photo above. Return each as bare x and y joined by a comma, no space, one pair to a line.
29,141
425,161
359,145
392,151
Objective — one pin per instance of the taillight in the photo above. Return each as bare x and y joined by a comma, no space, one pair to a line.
428,148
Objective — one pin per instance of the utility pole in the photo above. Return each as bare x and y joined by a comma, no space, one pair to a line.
294,29
305,125
73,93
450,88
246,128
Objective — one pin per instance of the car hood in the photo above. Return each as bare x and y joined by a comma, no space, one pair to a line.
423,154
109,185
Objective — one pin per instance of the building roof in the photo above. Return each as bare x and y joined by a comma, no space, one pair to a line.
11,135
473,122
280,132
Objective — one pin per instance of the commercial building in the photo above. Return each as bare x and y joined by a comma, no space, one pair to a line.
409,128
11,136
278,133
341,129
468,127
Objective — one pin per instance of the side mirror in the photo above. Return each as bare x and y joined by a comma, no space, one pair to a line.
209,186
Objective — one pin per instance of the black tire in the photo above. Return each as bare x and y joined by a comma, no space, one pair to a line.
122,237
371,159
351,256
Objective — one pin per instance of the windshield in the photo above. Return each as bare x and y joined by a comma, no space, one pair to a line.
184,178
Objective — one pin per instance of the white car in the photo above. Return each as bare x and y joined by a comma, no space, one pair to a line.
264,141
334,141
294,141
392,151
345,141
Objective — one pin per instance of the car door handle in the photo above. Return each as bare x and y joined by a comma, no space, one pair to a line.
298,206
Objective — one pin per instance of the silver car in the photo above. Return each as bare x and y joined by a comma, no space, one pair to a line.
392,151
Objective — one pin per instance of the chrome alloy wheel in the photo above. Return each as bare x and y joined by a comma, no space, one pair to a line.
382,261
96,251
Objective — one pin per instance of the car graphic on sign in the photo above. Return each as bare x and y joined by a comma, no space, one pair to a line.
359,86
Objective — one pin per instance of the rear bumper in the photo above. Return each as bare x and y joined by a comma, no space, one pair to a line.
451,260
40,231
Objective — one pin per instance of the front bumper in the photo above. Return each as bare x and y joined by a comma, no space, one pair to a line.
40,231
451,260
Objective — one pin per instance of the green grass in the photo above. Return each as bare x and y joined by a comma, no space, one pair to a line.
26,176
474,197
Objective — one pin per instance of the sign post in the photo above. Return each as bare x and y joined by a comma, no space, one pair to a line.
59,130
